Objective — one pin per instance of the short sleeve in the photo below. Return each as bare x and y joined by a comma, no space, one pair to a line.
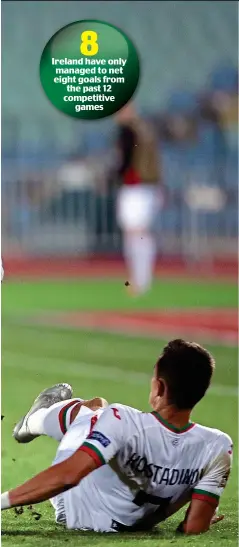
210,487
107,435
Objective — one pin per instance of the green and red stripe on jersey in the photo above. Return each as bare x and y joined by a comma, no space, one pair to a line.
203,495
63,414
93,452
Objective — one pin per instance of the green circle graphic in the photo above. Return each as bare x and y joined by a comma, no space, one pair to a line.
89,69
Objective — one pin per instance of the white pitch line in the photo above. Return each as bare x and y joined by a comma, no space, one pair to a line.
90,370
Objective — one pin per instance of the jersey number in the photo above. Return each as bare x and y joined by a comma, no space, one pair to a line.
142,497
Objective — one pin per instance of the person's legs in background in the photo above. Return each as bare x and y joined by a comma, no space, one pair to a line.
136,210
139,254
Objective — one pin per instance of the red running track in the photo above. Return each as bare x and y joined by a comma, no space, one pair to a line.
209,325
105,267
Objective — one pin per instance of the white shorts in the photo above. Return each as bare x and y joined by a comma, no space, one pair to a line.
67,511
136,207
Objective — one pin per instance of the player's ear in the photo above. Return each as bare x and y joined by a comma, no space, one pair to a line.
158,391
161,387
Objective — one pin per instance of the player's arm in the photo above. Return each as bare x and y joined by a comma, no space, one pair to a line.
162,513
205,497
198,518
102,444
51,482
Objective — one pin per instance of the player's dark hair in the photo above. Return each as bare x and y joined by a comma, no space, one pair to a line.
187,369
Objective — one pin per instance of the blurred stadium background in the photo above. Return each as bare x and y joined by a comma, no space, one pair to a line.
65,312
54,198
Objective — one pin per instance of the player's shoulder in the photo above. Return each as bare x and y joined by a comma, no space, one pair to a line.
125,413
134,419
124,410
217,439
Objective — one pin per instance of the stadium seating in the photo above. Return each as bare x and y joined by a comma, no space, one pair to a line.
183,57
179,44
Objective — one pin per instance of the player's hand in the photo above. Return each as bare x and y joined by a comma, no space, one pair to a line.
216,518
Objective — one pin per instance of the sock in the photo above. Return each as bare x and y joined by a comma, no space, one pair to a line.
140,254
53,421
147,254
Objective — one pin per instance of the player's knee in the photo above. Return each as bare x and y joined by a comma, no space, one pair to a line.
100,402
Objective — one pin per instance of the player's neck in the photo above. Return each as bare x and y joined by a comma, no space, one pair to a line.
178,418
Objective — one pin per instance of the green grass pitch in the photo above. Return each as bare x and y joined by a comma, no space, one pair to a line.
114,366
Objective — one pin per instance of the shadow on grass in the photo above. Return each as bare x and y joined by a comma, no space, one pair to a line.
55,534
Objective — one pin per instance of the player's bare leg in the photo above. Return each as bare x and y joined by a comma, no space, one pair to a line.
52,413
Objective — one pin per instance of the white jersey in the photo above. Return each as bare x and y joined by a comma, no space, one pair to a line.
2,271
144,463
